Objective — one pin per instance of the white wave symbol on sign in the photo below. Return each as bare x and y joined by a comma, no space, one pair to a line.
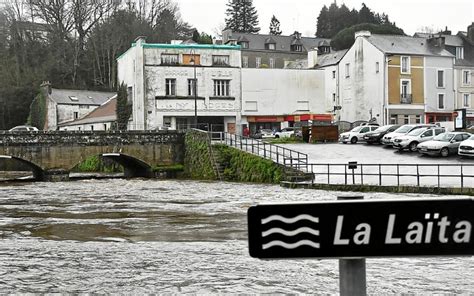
290,232
291,246
290,220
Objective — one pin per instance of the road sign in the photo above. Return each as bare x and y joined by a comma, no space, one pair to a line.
354,229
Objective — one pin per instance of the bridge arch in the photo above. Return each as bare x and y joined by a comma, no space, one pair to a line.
133,167
38,172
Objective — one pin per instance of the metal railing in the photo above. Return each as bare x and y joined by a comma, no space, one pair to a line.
405,99
426,175
278,154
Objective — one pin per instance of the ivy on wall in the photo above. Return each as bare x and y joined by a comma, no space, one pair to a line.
244,167
197,157
38,113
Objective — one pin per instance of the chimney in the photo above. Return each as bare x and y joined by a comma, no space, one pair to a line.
437,41
46,87
312,57
362,34
470,32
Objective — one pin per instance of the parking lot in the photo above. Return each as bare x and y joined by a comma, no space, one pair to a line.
410,165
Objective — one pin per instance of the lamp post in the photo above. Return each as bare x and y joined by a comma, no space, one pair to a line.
193,59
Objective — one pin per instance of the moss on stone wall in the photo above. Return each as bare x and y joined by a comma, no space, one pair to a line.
97,164
197,157
244,167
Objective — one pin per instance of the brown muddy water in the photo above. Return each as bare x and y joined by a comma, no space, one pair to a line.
144,236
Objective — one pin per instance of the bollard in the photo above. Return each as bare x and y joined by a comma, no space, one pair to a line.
352,275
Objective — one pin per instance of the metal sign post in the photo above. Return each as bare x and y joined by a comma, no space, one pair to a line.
352,274
354,229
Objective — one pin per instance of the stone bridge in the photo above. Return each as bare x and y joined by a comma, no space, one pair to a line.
51,155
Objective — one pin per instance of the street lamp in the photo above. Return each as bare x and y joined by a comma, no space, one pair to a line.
193,60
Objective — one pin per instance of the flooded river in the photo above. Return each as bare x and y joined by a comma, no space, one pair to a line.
124,236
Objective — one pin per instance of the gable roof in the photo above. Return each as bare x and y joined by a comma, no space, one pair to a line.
332,58
283,43
397,44
449,40
105,113
80,97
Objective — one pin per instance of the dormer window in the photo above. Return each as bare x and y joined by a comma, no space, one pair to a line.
297,47
270,46
244,44
459,53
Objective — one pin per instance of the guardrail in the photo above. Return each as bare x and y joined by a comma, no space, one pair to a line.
278,154
431,175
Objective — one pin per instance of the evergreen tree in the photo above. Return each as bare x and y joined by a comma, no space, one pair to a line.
322,27
123,108
366,16
242,16
275,26
196,36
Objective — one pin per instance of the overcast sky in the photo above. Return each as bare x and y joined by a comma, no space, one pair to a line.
301,15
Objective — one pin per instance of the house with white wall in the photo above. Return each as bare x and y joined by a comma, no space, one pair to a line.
103,118
161,85
395,79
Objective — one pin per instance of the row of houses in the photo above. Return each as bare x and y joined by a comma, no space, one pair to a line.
263,81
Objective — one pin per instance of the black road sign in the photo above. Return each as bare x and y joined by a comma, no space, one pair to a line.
351,229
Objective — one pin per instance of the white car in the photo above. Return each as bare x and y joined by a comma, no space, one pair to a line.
389,138
356,134
23,128
444,144
415,137
466,148
287,132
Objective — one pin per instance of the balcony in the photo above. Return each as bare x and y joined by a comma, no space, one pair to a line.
405,99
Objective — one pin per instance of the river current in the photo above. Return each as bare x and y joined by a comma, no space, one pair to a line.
137,236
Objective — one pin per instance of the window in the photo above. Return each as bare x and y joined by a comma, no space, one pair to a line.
348,68
333,74
377,67
245,62
105,126
73,98
272,63
244,44
258,61
76,115
459,53
192,86
466,100
270,46
441,101
83,106
406,119
466,77
440,79
405,65
169,59
220,60
393,119
171,87
439,131
405,91
418,119
192,59
92,128
221,88
129,94
296,47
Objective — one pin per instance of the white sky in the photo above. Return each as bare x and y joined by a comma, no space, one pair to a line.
301,15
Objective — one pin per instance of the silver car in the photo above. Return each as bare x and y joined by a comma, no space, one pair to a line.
389,138
444,144
412,139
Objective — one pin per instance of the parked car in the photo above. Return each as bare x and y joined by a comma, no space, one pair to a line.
466,147
264,134
443,144
412,139
403,130
356,134
23,128
376,136
287,132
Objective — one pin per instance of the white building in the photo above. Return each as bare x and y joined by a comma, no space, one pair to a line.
103,118
66,105
160,80
396,80
277,98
